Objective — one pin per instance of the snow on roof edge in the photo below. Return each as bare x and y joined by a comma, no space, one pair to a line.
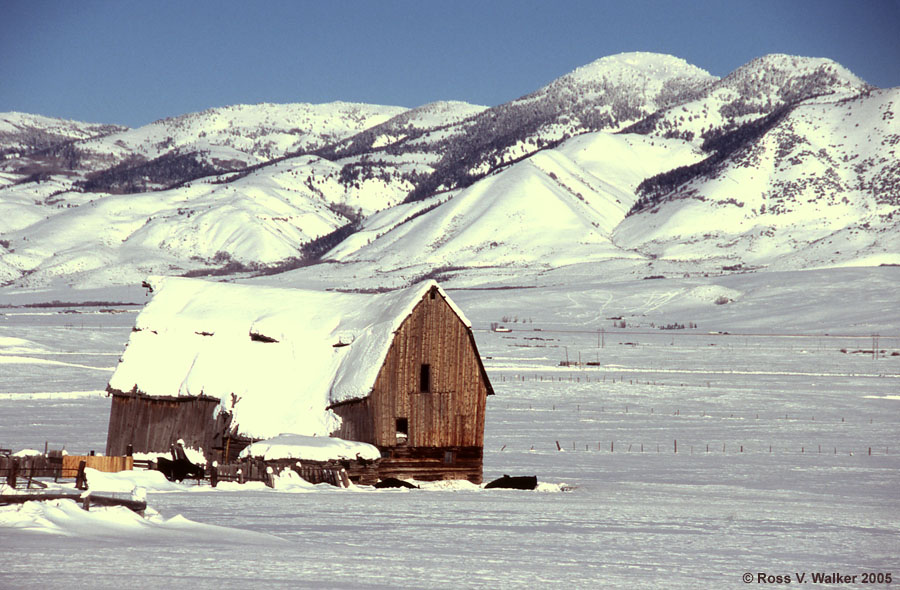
310,448
421,289
197,330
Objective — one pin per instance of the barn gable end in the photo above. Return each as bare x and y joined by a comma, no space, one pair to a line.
426,409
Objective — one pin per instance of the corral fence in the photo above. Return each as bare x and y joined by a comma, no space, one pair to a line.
56,465
265,471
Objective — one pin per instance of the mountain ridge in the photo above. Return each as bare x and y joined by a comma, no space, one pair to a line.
238,199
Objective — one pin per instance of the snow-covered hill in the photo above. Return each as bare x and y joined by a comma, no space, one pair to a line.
247,134
88,162
173,150
557,207
261,218
821,186
21,133
418,127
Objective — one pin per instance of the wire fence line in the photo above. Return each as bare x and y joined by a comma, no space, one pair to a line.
595,374
633,410
673,447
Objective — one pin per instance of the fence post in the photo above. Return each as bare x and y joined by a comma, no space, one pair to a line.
13,471
80,479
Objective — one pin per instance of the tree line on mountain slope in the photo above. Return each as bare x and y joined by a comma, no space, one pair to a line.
759,88
487,137
721,145
136,174
36,142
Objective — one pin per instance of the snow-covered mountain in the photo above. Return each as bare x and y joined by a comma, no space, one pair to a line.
227,138
21,133
173,150
637,157
604,95
752,91
819,186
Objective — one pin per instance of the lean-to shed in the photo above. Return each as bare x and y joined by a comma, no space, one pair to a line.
222,365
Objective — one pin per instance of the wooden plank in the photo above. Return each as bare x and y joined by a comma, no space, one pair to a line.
100,463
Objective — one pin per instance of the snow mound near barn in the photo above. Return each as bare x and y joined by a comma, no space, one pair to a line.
66,518
310,448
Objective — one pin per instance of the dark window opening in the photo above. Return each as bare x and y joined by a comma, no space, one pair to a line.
433,291
402,425
448,457
425,378
402,430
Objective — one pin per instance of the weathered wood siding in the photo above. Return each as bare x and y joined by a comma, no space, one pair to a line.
154,424
451,413
356,421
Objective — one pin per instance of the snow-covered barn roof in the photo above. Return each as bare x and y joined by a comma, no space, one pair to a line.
276,358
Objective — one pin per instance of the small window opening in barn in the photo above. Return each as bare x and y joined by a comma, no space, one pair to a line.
425,378
432,292
402,430
448,457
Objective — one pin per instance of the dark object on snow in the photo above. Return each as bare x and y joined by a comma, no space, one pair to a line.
178,469
393,482
520,482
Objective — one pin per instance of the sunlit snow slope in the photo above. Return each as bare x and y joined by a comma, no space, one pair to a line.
821,187
556,207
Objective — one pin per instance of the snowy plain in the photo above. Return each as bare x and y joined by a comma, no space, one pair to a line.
772,399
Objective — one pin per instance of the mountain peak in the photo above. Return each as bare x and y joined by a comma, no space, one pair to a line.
641,63
773,69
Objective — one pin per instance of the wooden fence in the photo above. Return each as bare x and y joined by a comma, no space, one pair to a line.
265,471
55,465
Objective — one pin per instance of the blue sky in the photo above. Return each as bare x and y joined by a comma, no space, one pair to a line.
131,62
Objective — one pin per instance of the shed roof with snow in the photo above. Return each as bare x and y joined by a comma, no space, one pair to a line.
276,358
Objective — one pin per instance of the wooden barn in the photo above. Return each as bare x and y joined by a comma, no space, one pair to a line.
219,366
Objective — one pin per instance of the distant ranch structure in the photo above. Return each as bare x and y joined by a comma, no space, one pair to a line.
220,366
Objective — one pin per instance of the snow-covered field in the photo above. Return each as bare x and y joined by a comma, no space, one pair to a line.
773,410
